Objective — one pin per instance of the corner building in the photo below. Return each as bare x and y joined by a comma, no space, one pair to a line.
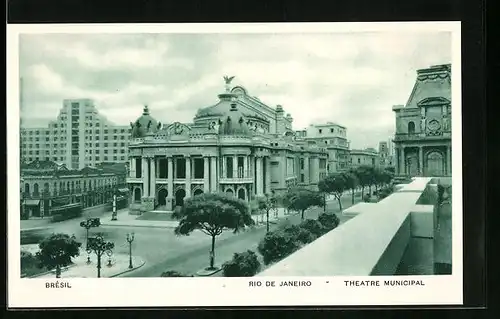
239,146
423,126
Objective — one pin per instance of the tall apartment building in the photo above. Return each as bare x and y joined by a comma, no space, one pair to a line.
333,137
78,137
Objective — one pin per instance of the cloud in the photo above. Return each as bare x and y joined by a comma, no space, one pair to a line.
351,79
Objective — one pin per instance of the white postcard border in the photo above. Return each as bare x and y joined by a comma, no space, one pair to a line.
155,292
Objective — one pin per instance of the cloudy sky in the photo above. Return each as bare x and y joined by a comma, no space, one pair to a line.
350,79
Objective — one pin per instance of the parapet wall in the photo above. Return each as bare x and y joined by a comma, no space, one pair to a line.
372,243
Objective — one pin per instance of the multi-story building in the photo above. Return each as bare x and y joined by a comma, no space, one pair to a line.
423,125
386,159
366,157
239,146
78,137
333,137
46,184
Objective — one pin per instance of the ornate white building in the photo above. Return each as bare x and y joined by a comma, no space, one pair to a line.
239,146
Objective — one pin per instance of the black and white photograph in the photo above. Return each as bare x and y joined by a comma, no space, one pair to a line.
301,164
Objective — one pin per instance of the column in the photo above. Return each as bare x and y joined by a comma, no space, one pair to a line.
206,175
421,160
307,176
170,187
268,175
213,173
152,188
132,168
448,161
223,167
145,179
396,162
260,177
402,166
188,177
235,166
246,170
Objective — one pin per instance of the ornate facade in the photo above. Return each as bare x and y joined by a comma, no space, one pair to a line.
423,125
239,146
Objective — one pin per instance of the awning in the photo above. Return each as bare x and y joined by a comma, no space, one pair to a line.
32,202
123,190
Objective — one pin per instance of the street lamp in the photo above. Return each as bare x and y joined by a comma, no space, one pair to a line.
87,224
130,239
113,216
99,247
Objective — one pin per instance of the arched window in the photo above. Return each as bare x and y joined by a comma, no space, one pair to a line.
35,189
411,127
27,189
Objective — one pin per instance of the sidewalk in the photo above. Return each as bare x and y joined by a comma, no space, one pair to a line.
124,219
80,268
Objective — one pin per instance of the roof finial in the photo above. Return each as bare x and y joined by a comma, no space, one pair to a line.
146,110
228,80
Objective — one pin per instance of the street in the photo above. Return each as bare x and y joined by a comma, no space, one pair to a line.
163,250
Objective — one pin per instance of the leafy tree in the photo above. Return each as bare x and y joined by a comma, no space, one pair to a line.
265,204
313,226
211,213
244,264
173,273
276,245
351,183
328,221
301,234
335,184
302,199
57,250
363,174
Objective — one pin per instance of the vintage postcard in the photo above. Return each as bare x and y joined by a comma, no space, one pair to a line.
251,164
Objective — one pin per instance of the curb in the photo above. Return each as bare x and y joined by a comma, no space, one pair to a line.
128,270
134,225
208,274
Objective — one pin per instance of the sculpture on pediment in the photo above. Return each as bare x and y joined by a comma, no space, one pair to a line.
227,80
422,124
178,129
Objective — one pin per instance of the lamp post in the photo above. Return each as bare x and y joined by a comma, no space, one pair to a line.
130,239
87,224
113,216
99,246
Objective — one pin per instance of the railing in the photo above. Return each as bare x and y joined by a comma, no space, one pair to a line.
387,226
419,136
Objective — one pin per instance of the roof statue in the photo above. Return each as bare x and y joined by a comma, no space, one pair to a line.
228,80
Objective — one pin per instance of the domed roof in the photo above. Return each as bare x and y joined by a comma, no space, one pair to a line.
233,122
144,124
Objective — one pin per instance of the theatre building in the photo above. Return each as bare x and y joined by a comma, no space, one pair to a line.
239,146
423,126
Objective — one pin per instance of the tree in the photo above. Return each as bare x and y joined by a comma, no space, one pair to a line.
173,273
211,213
302,199
276,245
363,175
301,234
265,204
313,226
352,183
334,184
57,250
328,222
244,264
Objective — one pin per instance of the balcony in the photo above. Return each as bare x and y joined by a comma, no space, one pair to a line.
408,234
134,179
399,137
236,180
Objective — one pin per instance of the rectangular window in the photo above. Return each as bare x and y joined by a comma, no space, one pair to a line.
229,167
138,168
